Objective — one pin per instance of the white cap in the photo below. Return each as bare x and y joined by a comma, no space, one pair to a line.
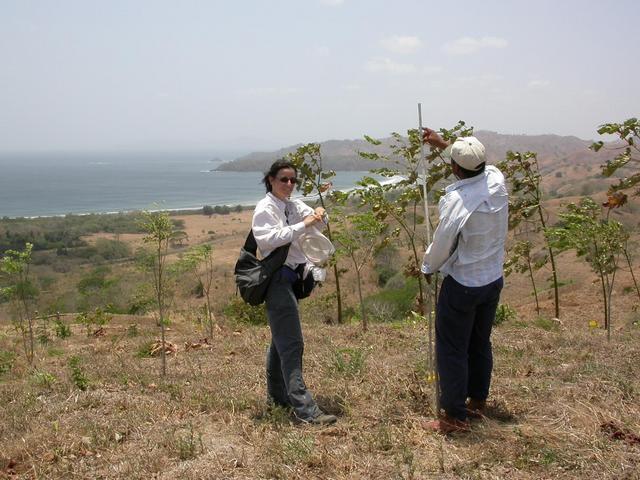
467,152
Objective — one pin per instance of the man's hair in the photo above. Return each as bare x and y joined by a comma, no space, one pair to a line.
470,173
274,169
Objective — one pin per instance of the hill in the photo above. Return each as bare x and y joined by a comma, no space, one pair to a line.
343,154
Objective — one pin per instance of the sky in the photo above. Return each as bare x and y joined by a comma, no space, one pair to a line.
80,75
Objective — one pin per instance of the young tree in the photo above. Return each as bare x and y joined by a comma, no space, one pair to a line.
520,260
599,241
359,239
21,293
628,132
199,260
525,204
401,200
316,180
159,230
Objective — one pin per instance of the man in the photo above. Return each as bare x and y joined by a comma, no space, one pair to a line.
468,248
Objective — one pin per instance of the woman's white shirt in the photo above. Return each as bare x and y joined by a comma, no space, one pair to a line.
277,222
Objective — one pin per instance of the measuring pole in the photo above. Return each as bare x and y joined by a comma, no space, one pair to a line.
431,352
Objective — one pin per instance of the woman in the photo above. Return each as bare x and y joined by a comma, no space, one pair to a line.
279,221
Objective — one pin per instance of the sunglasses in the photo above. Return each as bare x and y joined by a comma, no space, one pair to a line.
292,180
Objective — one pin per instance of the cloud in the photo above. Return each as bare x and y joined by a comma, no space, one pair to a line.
538,84
321,51
485,80
389,66
469,45
353,87
332,3
269,91
432,70
402,45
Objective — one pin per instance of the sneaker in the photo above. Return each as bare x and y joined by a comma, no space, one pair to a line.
447,425
324,419
320,419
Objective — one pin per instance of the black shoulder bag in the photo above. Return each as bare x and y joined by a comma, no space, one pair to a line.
252,275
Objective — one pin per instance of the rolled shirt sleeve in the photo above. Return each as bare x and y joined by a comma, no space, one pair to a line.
271,232
444,240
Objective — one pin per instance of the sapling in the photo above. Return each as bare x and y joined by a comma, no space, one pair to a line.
360,239
525,204
599,241
628,132
199,261
21,293
315,179
159,230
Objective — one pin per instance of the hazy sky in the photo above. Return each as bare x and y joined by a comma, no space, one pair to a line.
159,74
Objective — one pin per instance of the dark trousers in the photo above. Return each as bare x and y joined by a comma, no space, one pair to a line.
464,318
285,385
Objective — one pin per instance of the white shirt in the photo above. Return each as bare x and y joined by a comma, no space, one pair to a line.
469,241
272,228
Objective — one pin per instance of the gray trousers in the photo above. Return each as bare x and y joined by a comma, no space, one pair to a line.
285,385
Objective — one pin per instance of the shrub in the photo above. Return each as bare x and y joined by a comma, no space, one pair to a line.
140,304
547,324
320,308
112,249
188,445
349,361
207,210
43,379
504,313
7,360
392,304
90,320
241,312
61,329
144,350
78,376
383,264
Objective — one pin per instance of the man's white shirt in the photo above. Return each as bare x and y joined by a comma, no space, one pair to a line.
469,242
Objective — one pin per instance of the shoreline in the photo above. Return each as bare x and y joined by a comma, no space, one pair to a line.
184,210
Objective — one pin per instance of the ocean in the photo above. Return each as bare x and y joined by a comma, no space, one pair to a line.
59,184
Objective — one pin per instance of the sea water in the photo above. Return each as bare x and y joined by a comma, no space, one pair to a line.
58,184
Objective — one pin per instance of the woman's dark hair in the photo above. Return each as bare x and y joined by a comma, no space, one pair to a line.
470,173
273,171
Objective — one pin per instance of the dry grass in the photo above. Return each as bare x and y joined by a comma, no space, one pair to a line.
555,386
552,391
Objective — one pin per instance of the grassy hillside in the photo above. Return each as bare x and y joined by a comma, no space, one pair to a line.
564,404
564,401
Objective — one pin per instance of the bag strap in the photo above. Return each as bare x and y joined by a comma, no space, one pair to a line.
250,244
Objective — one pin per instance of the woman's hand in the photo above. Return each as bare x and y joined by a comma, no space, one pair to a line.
321,212
311,220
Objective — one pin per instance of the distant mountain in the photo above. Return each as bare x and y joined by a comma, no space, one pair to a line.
343,154
336,155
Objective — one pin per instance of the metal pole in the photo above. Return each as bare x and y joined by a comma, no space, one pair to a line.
431,351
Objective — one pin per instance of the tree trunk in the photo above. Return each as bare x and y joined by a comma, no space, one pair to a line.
604,298
553,263
335,270
163,353
635,283
533,283
362,309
